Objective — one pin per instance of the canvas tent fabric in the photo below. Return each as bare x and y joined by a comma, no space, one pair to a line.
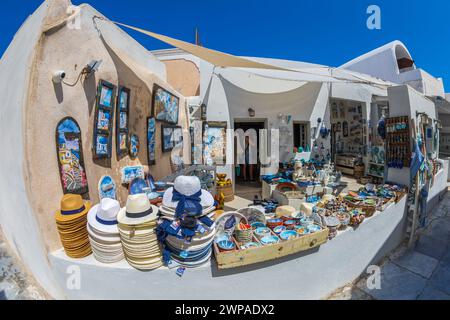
308,73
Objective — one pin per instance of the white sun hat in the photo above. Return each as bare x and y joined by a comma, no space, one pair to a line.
103,216
137,211
187,186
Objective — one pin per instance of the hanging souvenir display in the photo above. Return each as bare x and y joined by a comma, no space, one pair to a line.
165,105
214,143
70,157
345,129
122,121
134,146
151,141
132,172
137,186
107,188
398,142
104,111
171,137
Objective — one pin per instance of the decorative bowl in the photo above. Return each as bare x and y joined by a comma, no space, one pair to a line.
226,245
267,240
256,225
288,234
279,229
314,228
301,230
250,245
222,237
289,224
262,232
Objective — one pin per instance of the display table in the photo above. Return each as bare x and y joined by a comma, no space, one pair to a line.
320,271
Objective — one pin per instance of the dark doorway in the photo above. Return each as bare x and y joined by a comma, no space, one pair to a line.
252,171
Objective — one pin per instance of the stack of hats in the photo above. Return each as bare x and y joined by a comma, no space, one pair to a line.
103,231
187,230
71,221
137,223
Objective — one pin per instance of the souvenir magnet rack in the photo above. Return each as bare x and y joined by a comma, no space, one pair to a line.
398,138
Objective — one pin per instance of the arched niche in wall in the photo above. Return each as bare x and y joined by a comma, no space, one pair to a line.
69,149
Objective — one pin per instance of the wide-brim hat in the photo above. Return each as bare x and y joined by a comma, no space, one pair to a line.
206,199
72,208
137,211
99,224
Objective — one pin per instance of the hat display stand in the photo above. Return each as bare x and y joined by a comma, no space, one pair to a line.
71,222
136,227
187,234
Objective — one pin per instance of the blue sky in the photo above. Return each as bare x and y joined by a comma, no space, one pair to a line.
321,31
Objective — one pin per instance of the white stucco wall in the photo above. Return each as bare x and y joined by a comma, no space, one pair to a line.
17,219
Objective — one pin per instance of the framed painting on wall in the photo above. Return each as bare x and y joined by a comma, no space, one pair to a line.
151,140
70,157
104,112
171,136
214,143
134,146
122,122
165,105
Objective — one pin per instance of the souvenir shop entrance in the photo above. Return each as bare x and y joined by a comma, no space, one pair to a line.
246,150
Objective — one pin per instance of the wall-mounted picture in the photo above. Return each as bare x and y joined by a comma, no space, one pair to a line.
101,145
124,96
165,105
70,157
171,136
107,188
104,118
151,140
214,143
134,146
122,119
104,113
106,94
123,142
132,172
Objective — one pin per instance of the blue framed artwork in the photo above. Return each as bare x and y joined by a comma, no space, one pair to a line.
171,137
122,122
134,146
214,143
107,188
165,105
70,157
151,141
104,112
132,172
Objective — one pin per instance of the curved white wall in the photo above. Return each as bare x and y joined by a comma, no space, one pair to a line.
17,219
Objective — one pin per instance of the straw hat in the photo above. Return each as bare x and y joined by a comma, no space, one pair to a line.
71,222
188,186
137,211
72,208
103,216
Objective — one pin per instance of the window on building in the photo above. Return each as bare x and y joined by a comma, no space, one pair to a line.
301,134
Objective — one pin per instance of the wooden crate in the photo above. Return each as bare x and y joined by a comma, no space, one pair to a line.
239,258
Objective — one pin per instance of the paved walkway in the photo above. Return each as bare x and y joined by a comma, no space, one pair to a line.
14,283
422,273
